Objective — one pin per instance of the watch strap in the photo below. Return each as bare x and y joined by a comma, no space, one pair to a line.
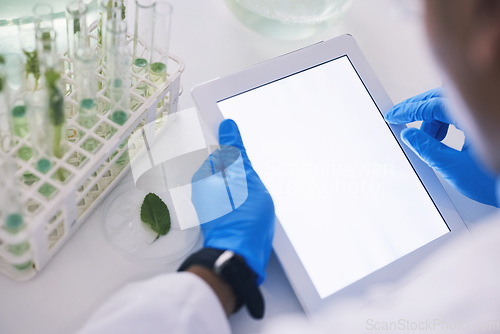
233,269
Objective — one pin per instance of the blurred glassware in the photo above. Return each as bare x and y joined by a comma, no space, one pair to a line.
289,19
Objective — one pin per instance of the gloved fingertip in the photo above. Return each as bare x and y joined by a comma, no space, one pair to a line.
396,115
229,134
389,116
228,125
410,136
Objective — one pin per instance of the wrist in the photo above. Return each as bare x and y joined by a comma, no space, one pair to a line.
223,291
232,270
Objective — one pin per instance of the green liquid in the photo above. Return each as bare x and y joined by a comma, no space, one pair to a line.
43,165
23,266
76,159
25,153
20,121
115,90
29,178
87,115
47,190
119,117
61,175
140,67
158,73
19,249
123,159
90,145
14,222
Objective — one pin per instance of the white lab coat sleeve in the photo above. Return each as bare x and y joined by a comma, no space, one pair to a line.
169,303
457,290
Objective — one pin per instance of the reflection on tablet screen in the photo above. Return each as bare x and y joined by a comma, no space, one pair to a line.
345,193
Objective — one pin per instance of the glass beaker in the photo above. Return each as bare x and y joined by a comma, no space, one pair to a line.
289,19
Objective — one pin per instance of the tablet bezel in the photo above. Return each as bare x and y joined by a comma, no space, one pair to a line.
207,95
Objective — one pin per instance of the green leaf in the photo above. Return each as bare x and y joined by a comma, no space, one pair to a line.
155,214
32,65
51,76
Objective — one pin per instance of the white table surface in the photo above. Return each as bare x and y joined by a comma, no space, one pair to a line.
213,43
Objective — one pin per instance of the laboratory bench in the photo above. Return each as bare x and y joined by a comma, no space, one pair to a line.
213,43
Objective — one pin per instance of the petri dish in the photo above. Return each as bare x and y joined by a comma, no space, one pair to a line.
124,230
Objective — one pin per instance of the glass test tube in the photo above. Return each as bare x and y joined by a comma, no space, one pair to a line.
92,16
11,209
18,122
51,64
143,42
27,41
86,78
4,130
161,42
118,77
76,24
11,215
39,127
43,16
117,70
108,10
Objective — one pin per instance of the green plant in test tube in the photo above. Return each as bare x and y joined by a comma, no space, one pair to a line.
109,9
46,45
56,109
2,75
26,32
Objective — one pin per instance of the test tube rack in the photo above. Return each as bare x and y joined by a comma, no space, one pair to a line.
56,203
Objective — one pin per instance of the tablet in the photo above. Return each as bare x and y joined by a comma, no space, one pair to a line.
354,205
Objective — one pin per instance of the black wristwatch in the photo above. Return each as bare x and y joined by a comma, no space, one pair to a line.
233,269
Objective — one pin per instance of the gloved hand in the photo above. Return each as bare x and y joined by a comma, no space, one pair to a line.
248,228
459,168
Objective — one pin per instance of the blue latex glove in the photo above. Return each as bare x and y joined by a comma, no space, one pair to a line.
459,168
248,228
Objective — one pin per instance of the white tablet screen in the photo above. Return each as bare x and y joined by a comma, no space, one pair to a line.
344,191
